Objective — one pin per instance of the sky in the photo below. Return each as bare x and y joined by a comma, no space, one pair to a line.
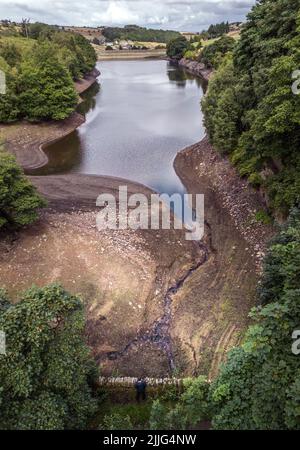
182,15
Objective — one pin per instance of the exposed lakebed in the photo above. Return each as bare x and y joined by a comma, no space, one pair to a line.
154,300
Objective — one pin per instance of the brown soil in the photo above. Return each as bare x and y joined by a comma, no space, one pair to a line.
234,193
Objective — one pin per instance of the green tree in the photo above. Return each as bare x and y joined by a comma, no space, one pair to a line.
217,30
177,47
9,107
221,108
258,386
45,375
19,201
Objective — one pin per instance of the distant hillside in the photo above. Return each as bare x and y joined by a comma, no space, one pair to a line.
136,33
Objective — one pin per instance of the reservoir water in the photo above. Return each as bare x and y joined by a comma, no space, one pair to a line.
137,118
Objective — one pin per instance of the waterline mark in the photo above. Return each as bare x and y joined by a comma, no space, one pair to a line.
153,212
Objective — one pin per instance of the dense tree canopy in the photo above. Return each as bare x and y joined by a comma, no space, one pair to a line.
177,47
255,99
19,201
212,54
47,371
258,387
45,87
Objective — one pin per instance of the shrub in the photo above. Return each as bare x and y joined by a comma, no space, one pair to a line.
116,422
212,54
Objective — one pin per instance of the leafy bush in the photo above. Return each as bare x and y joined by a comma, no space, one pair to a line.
116,422
263,217
10,54
191,407
213,53
258,387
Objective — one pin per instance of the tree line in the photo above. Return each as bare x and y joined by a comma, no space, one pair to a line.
251,113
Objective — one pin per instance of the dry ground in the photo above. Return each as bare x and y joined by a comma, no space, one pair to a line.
122,276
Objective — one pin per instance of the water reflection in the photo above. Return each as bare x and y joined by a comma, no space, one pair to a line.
89,99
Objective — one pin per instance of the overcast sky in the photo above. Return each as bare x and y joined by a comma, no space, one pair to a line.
189,15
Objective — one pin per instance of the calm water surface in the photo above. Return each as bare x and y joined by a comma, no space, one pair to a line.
137,118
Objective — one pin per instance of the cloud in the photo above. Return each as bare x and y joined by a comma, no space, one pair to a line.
174,14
